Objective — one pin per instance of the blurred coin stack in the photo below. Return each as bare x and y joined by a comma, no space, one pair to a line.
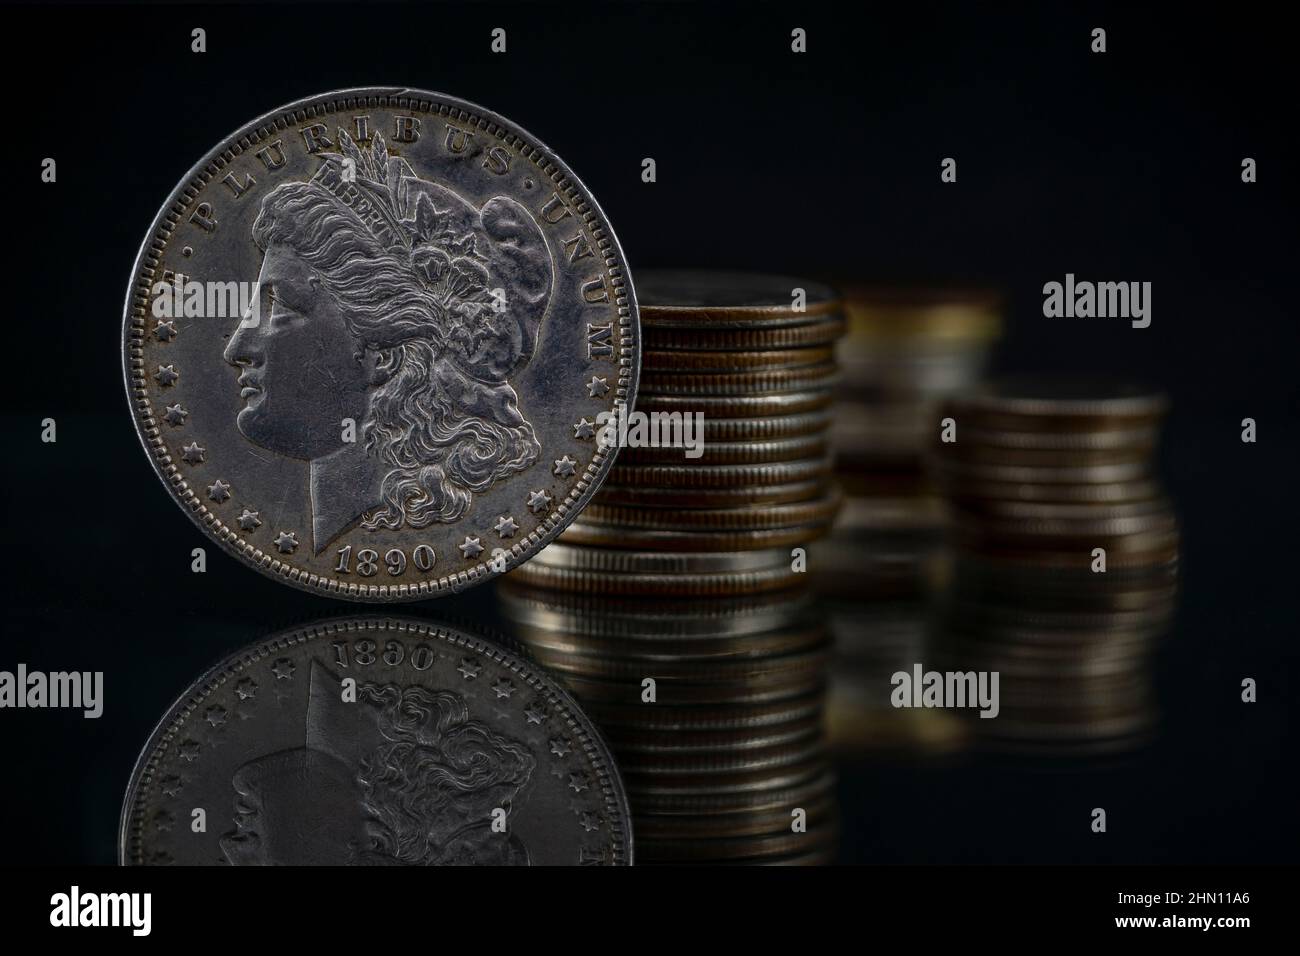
906,349
728,742
680,571
1065,570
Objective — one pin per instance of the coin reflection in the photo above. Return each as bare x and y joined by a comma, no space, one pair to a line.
375,741
723,753
880,572
296,808
1066,554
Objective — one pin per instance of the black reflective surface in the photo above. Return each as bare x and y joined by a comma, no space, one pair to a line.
1123,167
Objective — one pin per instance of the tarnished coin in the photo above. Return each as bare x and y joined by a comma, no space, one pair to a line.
366,340
760,382
765,429
961,472
824,331
992,456
721,477
1029,511
740,497
706,299
1037,404
886,316
783,794
741,406
817,512
1143,438
682,361
717,826
775,668
562,554
639,741
733,716
977,495
665,647
376,740
734,453
1137,553
737,784
721,583
618,618
658,539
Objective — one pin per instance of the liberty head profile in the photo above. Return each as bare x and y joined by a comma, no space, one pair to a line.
390,301
403,776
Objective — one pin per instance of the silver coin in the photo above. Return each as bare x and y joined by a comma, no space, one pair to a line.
759,382
367,339
447,749
622,561
711,300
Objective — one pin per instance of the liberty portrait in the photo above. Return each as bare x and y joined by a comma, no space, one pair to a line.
390,301
401,777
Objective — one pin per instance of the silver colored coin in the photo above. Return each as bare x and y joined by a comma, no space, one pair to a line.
695,670
1107,474
706,299
635,740
722,761
760,382
290,771
738,784
818,511
612,536
618,618
561,554
741,406
765,429
783,794
734,453
742,497
977,495
679,360
673,720
367,339
1143,438
719,826
720,583
666,647
721,477
825,330
1081,401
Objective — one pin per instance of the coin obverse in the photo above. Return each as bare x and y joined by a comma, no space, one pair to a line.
375,741
367,339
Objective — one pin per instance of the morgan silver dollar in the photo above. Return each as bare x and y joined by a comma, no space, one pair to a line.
375,741
367,341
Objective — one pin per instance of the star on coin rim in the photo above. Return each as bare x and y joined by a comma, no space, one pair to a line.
171,730
136,327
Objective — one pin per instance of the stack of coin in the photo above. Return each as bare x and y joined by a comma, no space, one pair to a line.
683,571
906,349
1065,571
744,363
713,708
753,357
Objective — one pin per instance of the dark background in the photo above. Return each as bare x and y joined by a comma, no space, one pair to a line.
1121,166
